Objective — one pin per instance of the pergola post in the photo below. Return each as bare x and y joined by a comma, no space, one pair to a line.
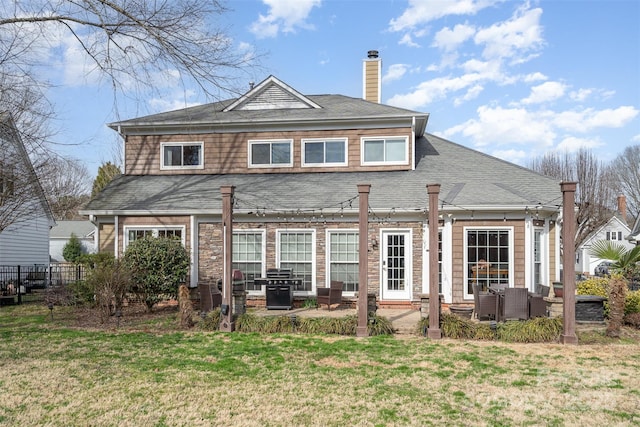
433,331
363,259
568,263
227,323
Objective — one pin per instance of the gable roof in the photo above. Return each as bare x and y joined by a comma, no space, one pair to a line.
9,134
274,106
615,219
634,236
63,229
469,180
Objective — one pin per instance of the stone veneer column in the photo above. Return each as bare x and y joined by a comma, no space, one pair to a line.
568,263
363,258
433,331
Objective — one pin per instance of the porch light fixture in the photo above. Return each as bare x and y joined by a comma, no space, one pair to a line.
374,243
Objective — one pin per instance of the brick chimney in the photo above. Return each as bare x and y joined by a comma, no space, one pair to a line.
622,207
371,80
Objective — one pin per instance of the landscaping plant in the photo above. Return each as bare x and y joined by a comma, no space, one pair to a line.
158,266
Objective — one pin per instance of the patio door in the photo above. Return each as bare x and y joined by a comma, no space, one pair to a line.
396,283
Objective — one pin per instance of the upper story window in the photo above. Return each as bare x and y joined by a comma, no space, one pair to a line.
182,155
272,153
614,235
324,152
392,150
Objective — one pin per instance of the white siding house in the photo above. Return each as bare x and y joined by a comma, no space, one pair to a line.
25,216
61,233
614,230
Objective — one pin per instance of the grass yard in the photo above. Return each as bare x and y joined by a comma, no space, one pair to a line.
56,373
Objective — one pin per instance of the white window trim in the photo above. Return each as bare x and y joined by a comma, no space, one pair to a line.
384,163
324,164
465,258
263,273
251,142
313,255
182,144
155,229
327,270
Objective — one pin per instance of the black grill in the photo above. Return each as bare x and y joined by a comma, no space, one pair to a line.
279,285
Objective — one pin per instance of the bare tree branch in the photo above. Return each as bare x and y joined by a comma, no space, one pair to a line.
626,168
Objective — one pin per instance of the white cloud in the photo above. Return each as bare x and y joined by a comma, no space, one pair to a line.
534,77
547,91
433,90
636,138
580,94
589,119
394,72
448,39
472,93
572,144
408,41
284,16
513,156
502,126
422,12
514,37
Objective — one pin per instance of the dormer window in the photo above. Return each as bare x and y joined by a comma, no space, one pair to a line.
324,152
271,153
181,155
385,150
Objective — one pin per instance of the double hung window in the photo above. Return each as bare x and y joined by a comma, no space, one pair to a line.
324,152
295,251
248,256
182,155
274,153
343,258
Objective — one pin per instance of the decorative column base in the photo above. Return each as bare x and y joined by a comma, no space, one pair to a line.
227,325
568,339
362,331
434,333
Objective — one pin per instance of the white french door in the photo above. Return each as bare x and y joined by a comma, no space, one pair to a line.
396,274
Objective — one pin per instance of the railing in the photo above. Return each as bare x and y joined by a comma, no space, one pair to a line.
17,281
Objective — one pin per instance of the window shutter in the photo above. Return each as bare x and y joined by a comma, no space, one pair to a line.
608,235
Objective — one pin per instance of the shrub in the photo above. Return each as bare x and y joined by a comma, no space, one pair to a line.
72,251
453,326
378,325
211,321
632,319
540,329
632,303
80,292
110,283
158,266
593,286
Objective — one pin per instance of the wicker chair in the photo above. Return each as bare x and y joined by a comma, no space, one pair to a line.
516,304
485,304
537,304
330,295
210,297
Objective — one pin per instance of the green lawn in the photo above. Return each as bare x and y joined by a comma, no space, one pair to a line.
56,374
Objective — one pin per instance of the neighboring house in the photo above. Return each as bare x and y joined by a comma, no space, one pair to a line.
634,236
616,230
295,161
25,216
61,233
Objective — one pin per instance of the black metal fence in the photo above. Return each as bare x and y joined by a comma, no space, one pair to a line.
17,281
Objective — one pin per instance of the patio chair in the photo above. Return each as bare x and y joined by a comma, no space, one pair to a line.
516,304
330,295
537,306
210,297
485,304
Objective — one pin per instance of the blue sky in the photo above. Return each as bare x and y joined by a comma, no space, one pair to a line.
512,79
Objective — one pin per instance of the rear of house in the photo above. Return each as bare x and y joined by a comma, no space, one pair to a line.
295,162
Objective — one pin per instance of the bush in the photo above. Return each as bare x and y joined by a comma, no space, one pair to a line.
632,303
72,251
632,319
593,286
540,329
110,283
158,266
378,325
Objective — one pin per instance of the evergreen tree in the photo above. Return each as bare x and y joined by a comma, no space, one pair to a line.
106,173
72,251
